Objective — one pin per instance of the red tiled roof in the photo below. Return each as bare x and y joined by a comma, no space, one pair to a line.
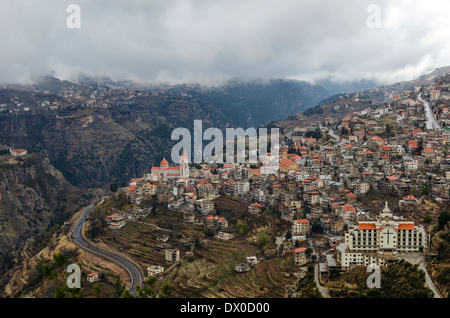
367,226
18,150
406,227
288,162
392,178
416,131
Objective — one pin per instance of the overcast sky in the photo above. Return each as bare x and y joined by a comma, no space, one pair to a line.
206,41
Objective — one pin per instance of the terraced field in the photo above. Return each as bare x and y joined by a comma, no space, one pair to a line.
211,274
140,240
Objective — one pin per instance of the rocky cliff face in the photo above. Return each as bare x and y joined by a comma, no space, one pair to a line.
93,147
34,198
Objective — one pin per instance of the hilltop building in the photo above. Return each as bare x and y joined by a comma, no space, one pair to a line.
379,241
166,172
18,152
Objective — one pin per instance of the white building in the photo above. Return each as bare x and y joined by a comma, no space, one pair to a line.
18,152
434,94
301,227
252,260
241,187
267,169
155,270
224,236
379,241
411,165
92,277
172,255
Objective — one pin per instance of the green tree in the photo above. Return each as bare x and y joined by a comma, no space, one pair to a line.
140,291
374,293
60,259
60,292
118,286
403,280
427,219
48,272
151,280
308,252
114,187
389,130
96,289
317,227
262,239
165,289
288,235
126,294
154,208
425,188
242,227
443,219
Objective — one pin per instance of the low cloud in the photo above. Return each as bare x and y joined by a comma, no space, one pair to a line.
207,41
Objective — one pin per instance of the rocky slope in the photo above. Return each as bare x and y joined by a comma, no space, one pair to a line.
35,200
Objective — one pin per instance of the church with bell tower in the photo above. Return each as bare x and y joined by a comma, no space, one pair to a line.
166,172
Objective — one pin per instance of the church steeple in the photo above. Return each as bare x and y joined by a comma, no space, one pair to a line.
184,165
386,213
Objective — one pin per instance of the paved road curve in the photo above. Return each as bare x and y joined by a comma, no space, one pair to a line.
432,123
136,275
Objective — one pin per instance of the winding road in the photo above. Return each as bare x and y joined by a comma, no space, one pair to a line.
432,123
136,275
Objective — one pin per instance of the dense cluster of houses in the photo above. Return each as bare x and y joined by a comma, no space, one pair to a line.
319,180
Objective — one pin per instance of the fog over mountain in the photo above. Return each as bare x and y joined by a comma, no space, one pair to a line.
208,42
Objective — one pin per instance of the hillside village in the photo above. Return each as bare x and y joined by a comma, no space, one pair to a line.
354,191
356,182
